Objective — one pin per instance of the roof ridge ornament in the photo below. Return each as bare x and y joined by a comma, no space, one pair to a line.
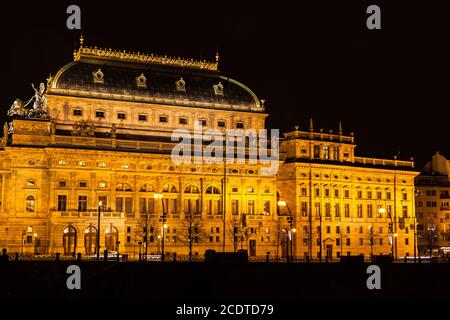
138,57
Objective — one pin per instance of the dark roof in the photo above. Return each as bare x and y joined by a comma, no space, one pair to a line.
120,78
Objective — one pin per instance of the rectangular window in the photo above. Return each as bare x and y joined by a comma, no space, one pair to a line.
99,114
163,119
143,205
119,204
406,241
347,210
221,124
121,116
338,229
327,210
316,152
327,192
251,207
62,203
348,229
77,112
388,195
336,193
405,211
317,192
183,120
360,210
348,241
361,241
405,196
337,212
142,117
328,229
267,207
317,209
202,122
128,205
369,194
82,203
369,211
240,125
347,193
235,207
304,191
359,194
326,153
304,209
379,195
336,153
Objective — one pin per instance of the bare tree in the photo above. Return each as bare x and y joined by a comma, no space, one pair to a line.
236,230
191,231
143,231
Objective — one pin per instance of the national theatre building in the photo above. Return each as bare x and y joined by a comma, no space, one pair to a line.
90,161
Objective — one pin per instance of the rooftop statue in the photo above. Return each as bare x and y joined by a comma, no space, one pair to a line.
18,108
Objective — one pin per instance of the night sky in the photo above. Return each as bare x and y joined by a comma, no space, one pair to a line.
390,86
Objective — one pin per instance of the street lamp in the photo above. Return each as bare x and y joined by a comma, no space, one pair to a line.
98,230
371,242
163,217
391,238
292,230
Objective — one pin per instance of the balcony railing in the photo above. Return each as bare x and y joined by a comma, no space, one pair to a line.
87,214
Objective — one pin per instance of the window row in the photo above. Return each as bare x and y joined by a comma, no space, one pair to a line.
148,205
328,192
161,118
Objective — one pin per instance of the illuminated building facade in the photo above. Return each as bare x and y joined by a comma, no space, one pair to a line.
432,205
98,142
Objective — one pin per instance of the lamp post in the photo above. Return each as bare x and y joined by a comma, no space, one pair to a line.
292,230
163,217
98,230
391,238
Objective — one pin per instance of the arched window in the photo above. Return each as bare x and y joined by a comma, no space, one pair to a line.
69,240
123,187
90,240
30,204
192,189
169,188
146,188
212,190
111,238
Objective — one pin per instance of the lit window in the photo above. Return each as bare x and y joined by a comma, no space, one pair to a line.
102,164
82,163
102,184
30,203
31,183
218,89
62,162
251,189
125,166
